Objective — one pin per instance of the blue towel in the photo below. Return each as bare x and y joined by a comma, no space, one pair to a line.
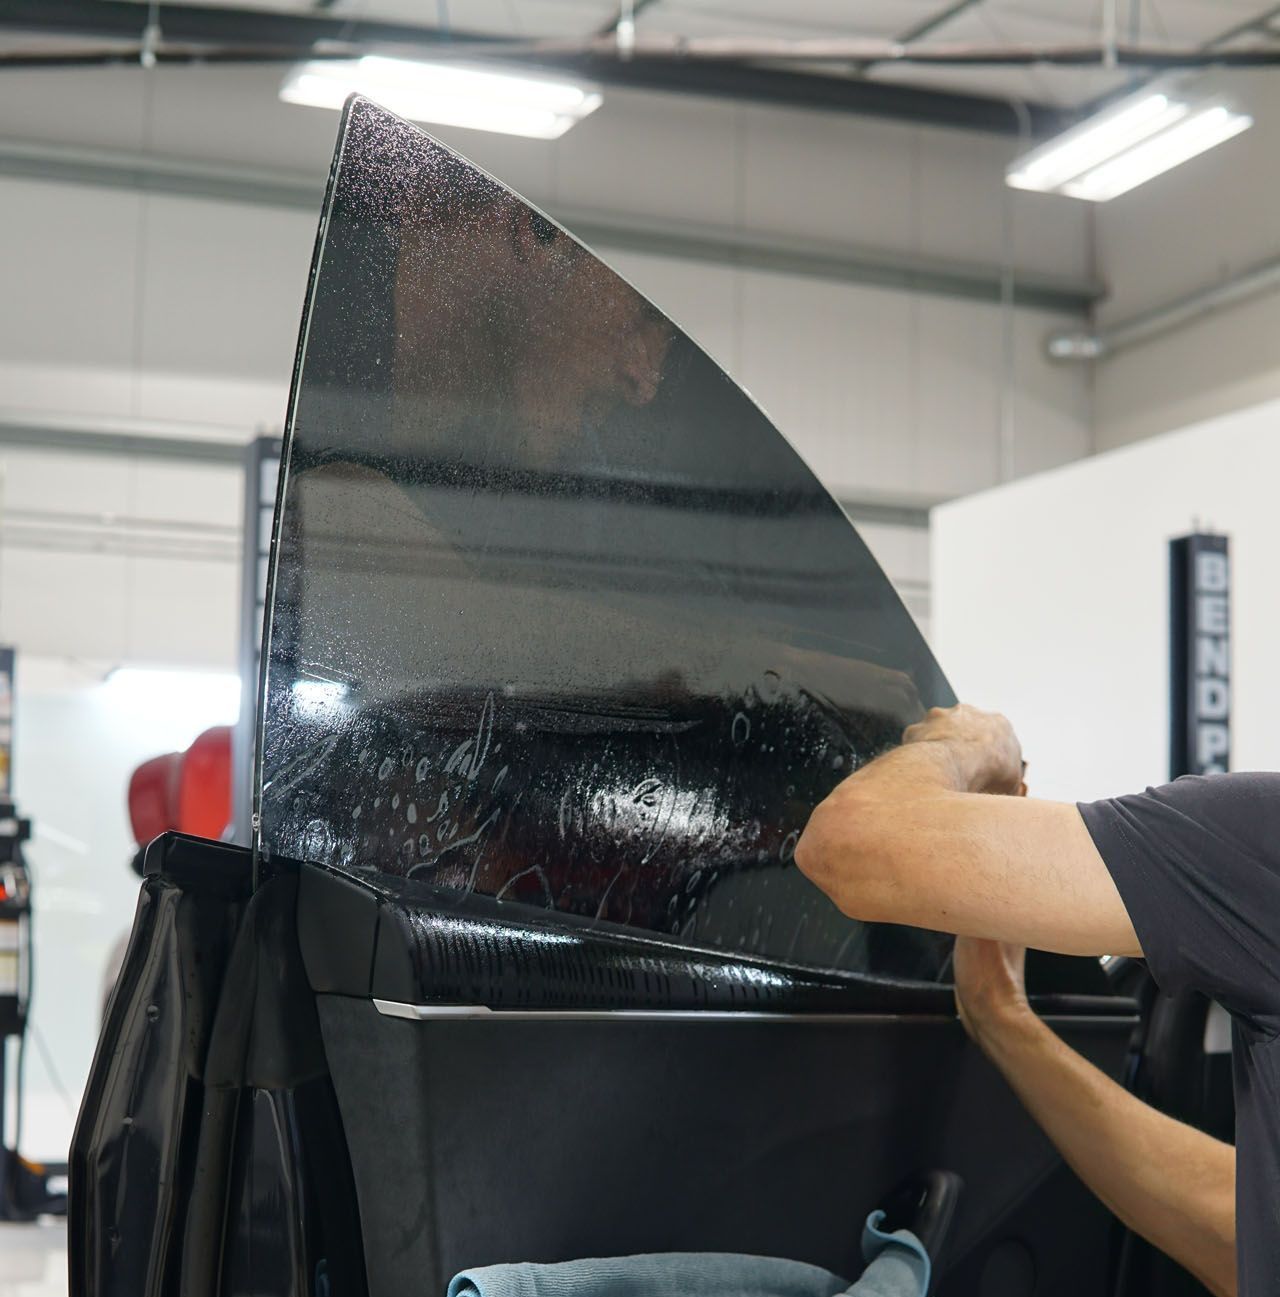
898,1266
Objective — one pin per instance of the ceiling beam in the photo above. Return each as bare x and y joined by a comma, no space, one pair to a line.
293,34
926,27
1260,23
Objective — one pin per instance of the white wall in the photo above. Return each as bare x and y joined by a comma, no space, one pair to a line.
148,306
1050,601
1195,226
124,559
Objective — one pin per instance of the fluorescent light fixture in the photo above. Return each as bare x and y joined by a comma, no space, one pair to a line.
1167,150
1126,145
448,94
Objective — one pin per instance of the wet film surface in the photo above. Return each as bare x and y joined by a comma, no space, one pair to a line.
558,615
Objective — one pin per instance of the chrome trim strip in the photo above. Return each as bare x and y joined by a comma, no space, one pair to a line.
482,1013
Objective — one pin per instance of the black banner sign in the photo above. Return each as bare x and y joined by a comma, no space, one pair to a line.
1200,655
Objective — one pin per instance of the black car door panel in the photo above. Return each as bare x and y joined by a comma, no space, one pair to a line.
556,1088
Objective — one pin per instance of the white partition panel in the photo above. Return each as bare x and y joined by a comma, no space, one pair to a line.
1050,600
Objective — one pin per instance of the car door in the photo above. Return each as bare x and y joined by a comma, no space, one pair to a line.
564,644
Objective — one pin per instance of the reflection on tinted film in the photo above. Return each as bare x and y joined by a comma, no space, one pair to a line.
558,615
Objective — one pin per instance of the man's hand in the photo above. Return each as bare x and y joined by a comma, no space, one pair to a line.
991,989
982,746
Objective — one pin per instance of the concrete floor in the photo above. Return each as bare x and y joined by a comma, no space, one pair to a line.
33,1259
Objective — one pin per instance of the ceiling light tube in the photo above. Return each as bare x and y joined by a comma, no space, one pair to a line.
447,94
1125,145
1171,148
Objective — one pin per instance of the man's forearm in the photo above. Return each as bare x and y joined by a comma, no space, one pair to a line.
1168,1182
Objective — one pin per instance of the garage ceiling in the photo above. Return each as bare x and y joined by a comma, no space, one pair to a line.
970,94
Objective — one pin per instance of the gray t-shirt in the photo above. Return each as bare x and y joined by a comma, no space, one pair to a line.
1197,864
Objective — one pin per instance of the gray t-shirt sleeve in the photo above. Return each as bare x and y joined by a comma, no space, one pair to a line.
1197,864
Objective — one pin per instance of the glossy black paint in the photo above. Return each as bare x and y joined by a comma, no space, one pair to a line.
293,1225
557,615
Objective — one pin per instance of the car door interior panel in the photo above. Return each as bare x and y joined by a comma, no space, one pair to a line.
564,643
607,1093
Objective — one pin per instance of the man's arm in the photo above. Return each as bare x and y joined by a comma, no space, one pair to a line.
1170,1183
912,838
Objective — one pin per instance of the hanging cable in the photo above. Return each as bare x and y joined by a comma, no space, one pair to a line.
150,36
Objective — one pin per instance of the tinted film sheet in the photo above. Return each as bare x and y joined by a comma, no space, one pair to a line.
557,615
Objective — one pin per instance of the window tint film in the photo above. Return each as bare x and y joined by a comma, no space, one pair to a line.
557,615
